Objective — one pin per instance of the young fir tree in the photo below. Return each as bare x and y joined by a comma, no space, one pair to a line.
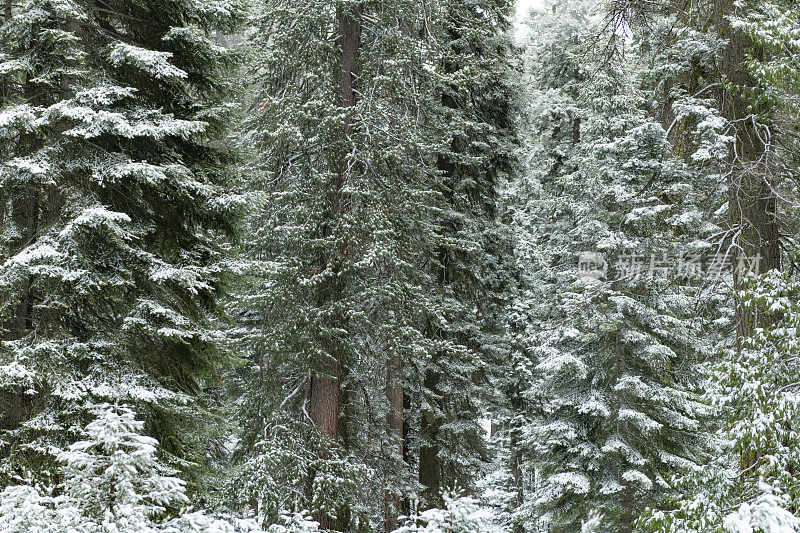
459,515
112,481
112,196
609,356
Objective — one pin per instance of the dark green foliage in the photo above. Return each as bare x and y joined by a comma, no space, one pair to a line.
112,202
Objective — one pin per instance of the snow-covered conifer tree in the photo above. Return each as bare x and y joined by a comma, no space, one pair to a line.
112,176
608,358
346,321
332,321
472,267
113,481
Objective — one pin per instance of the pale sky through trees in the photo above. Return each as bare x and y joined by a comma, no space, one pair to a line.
523,8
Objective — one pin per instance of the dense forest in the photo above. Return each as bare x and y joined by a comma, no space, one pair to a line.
400,266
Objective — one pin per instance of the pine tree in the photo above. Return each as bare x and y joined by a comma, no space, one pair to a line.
113,198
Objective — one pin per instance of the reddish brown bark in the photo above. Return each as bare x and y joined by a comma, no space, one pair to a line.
516,474
325,400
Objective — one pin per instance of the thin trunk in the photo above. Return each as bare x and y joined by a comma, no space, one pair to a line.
394,421
576,131
25,217
516,474
627,501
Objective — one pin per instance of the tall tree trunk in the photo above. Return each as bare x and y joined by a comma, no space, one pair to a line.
752,201
430,467
394,421
751,198
326,394
325,389
516,474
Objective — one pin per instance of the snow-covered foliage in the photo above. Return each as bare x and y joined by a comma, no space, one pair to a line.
593,523
606,360
767,514
773,25
751,468
410,268
110,172
112,482
296,523
461,514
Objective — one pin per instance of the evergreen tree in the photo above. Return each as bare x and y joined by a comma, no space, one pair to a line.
472,269
111,482
610,401
112,199
332,319
357,217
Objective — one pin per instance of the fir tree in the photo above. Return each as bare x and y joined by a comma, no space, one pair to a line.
111,482
473,271
342,233
355,219
611,409
112,180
